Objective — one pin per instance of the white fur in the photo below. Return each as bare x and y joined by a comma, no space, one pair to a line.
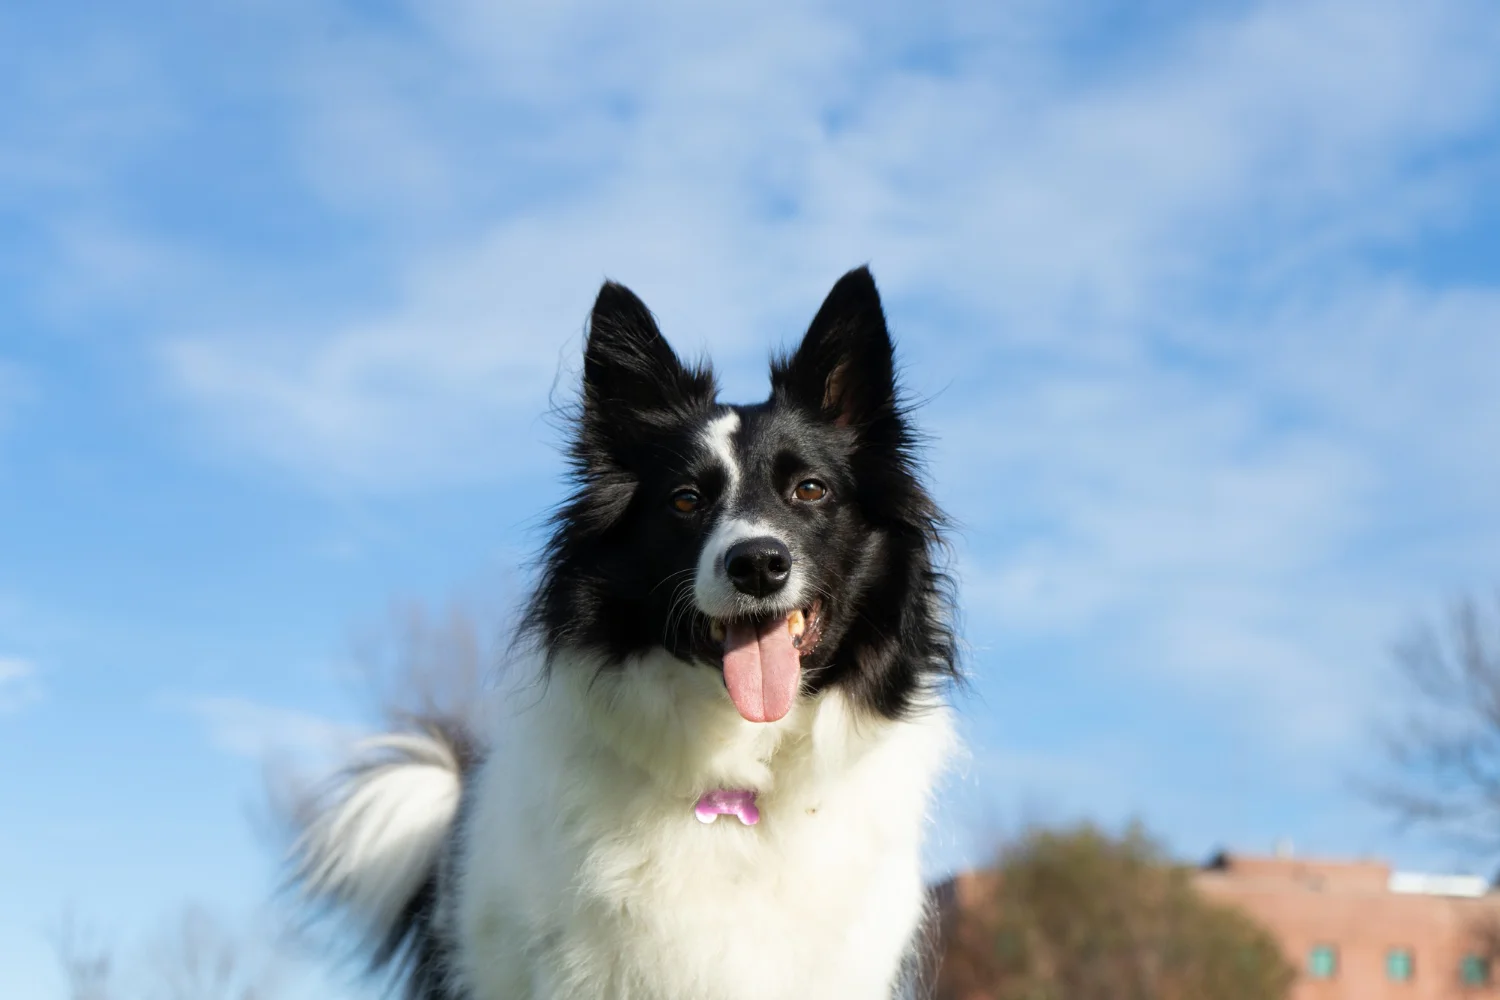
580,871
371,847
583,874
716,594
718,436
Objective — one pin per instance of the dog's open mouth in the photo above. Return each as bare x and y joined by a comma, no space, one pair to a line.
803,625
763,659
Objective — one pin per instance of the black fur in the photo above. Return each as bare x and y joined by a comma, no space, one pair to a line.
617,572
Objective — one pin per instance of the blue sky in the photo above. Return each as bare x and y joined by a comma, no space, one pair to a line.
1204,300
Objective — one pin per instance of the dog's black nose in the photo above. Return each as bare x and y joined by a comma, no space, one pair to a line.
758,566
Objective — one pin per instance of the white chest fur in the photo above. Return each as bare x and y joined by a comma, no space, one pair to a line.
584,874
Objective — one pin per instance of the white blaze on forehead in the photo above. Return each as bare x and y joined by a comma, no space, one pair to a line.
718,436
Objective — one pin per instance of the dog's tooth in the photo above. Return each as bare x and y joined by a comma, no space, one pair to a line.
796,624
716,630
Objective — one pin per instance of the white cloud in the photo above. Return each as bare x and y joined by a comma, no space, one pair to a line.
19,685
247,728
1257,535
1195,430
730,166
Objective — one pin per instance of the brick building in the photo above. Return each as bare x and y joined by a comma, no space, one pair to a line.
1354,930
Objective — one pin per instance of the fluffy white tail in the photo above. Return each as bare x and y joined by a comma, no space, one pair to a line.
372,845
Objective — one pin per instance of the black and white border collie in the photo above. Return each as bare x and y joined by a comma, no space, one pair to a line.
716,787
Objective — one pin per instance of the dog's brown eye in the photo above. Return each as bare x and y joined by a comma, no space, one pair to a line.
810,491
686,501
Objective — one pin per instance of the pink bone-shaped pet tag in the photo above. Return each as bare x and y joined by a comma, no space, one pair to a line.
737,802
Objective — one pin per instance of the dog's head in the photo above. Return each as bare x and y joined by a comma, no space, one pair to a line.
788,543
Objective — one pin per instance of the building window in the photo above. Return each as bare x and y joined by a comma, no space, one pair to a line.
1323,962
1475,971
1399,966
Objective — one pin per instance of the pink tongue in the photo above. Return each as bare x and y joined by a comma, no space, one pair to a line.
762,670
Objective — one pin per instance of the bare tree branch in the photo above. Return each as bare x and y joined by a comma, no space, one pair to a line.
195,957
416,670
198,957
87,963
1442,754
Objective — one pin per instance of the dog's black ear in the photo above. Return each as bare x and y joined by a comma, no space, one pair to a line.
845,368
630,373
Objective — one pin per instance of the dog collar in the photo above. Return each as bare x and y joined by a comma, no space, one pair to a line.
739,802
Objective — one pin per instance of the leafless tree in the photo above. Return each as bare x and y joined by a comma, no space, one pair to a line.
196,956
87,963
1443,745
416,669
420,664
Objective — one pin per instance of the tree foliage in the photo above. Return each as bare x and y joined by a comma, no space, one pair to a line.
1079,915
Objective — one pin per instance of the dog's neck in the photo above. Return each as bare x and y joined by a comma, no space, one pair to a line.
674,723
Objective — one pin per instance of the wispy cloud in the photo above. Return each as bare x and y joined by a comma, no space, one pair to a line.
19,684
729,163
1088,215
1204,421
254,730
